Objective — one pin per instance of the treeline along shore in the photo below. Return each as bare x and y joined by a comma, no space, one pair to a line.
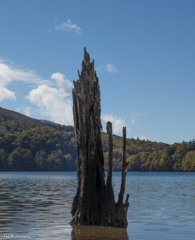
28,144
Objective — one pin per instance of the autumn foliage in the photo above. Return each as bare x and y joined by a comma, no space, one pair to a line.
34,147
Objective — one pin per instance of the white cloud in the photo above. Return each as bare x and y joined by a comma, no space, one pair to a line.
68,27
108,67
9,73
27,111
6,94
53,102
18,109
133,120
141,137
117,123
62,82
51,97
111,68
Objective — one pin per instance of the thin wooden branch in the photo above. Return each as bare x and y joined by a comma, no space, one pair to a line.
110,155
122,190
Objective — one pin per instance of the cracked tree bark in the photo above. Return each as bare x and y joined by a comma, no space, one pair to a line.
94,202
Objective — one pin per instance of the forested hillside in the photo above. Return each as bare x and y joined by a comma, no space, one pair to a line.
27,145
12,115
32,147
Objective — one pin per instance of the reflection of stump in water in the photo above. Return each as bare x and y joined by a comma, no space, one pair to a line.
98,233
94,203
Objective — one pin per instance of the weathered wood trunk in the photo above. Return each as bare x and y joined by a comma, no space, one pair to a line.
94,202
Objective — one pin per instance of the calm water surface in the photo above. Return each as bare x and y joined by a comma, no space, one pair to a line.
37,206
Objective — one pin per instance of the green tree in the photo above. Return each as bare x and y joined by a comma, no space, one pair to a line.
166,160
154,161
41,160
23,141
143,161
54,162
134,163
189,161
179,156
20,160
3,160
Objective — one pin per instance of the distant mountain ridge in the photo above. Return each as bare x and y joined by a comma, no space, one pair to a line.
12,115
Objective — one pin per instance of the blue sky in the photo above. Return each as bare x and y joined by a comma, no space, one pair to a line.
144,55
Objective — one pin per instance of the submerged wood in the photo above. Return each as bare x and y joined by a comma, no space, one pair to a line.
97,233
94,202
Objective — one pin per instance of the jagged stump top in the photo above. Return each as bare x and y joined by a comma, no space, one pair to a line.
94,201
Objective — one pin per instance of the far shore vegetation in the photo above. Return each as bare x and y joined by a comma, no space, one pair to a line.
34,145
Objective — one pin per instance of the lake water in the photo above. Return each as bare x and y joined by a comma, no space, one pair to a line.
36,205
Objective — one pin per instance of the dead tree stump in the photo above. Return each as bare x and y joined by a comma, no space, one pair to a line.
94,202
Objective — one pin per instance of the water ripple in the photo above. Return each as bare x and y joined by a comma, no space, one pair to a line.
38,205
